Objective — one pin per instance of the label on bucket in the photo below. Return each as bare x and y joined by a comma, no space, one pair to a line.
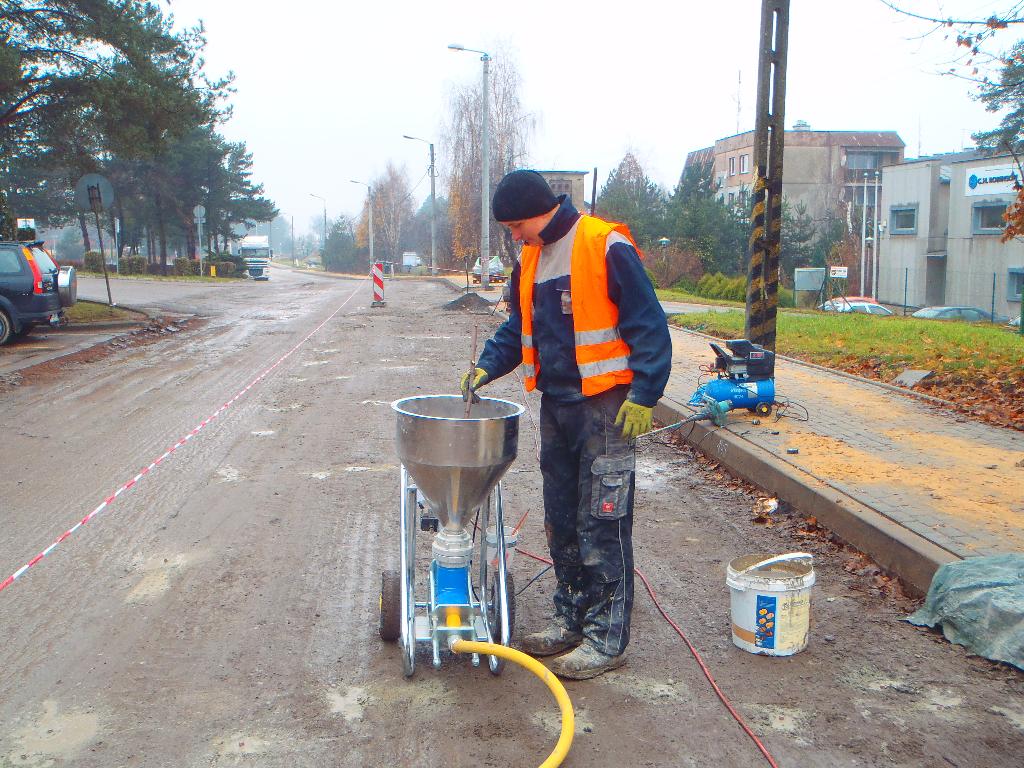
764,632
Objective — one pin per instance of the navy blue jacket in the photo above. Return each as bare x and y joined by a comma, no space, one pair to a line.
641,319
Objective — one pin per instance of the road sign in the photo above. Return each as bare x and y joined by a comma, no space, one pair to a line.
199,212
838,271
25,223
93,193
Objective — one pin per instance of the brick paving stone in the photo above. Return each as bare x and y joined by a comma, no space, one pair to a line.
925,468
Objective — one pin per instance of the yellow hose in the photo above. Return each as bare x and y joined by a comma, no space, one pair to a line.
528,662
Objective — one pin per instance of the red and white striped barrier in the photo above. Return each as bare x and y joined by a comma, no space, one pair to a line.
155,463
378,284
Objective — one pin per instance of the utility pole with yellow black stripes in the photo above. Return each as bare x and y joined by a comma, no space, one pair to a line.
769,139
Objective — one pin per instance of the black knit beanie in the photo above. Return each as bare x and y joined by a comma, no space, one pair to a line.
522,195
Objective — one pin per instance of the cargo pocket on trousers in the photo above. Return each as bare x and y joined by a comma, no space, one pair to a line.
612,480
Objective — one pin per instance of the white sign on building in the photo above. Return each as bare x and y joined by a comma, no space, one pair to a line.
992,180
838,271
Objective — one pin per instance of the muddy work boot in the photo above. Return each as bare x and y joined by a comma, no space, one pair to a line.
553,639
585,662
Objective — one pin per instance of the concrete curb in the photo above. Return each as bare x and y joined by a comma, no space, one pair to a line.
908,555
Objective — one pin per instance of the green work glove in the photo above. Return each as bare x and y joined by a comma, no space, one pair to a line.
635,419
480,378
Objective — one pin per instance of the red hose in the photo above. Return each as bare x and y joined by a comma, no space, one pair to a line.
696,655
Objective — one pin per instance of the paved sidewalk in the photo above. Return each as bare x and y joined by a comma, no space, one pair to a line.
957,483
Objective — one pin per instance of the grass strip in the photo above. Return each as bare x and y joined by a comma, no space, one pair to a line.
852,341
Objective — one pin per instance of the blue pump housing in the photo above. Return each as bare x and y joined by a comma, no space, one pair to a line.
742,394
451,585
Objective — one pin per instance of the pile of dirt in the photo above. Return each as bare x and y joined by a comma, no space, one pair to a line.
469,302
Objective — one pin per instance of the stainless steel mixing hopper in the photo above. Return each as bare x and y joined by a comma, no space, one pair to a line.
456,461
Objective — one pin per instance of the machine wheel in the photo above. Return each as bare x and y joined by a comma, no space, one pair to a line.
763,409
5,328
494,610
390,626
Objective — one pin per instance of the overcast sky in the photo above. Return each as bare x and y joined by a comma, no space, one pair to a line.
325,90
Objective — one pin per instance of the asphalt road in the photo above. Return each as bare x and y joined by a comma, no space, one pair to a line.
223,610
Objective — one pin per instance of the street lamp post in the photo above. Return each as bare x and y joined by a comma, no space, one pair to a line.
323,245
433,207
369,192
485,175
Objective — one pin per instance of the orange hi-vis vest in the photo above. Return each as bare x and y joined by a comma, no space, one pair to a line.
601,354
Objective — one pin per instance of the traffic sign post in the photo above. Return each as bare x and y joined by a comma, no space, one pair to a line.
199,214
94,193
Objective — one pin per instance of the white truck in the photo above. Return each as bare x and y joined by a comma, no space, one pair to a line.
255,251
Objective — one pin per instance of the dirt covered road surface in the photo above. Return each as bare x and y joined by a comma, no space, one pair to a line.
223,611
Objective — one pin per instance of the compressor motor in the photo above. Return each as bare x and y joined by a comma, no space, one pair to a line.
745,379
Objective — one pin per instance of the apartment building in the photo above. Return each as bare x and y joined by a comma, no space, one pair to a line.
824,170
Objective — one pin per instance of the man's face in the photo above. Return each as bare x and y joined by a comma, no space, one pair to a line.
527,231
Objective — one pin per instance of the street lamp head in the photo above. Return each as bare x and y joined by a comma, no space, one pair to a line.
456,47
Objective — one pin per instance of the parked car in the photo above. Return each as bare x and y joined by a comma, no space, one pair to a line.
968,314
33,290
863,305
495,272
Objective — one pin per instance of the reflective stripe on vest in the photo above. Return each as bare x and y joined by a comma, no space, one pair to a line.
601,354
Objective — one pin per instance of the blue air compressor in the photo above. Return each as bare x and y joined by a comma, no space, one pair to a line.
744,378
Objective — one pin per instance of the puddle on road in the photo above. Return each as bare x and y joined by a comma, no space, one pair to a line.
1016,717
55,737
228,474
316,362
156,578
250,744
350,703
319,475
262,433
286,408
374,402
648,688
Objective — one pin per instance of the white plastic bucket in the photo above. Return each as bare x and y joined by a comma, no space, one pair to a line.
511,542
771,602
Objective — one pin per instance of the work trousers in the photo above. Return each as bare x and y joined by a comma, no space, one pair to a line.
588,470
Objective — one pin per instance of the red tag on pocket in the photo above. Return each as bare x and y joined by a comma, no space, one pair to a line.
608,507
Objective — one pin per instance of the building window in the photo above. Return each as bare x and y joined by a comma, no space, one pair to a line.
744,163
988,218
732,197
861,161
903,220
1015,284
743,198
732,166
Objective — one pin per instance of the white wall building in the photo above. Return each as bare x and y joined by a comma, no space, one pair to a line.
942,240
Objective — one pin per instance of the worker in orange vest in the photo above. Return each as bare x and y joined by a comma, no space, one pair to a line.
589,333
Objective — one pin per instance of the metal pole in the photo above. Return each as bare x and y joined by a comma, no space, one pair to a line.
293,240
863,232
769,142
323,250
485,181
993,317
372,261
593,194
199,243
906,284
433,217
878,241
99,236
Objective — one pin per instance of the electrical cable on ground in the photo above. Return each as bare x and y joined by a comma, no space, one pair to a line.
696,655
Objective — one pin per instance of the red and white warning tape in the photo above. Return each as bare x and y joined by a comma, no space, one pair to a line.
154,464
